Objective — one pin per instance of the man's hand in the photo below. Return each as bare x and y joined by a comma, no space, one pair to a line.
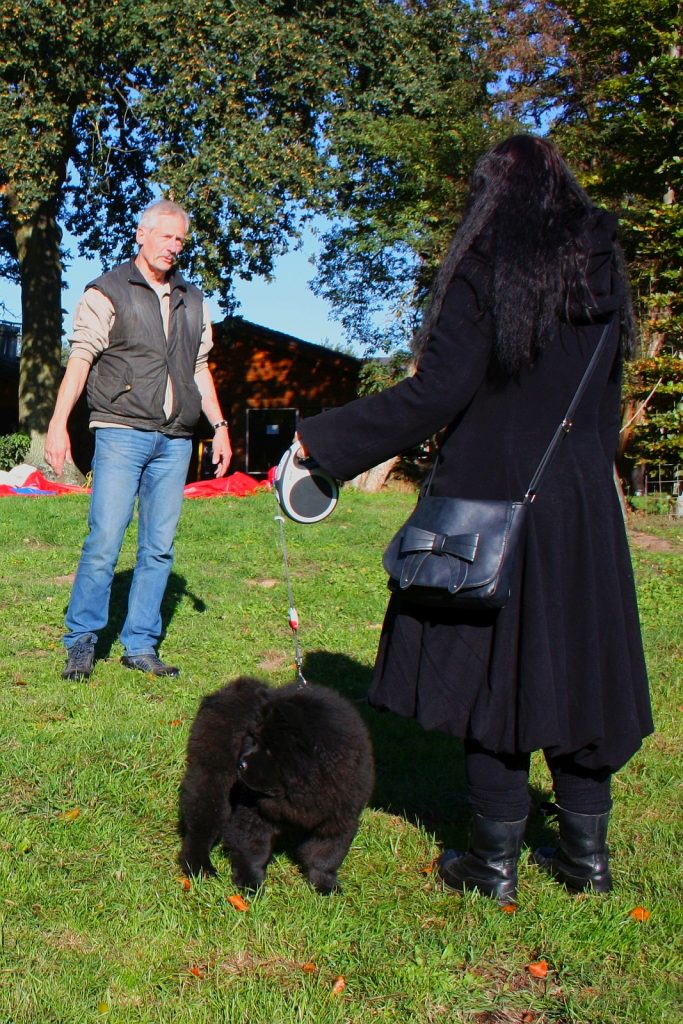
221,451
57,447
57,444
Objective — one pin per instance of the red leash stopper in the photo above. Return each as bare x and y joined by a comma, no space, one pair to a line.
293,618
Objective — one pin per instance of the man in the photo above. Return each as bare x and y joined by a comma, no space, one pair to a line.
140,342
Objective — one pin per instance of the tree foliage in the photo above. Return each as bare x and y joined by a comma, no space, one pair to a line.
655,390
260,114
605,79
255,114
407,145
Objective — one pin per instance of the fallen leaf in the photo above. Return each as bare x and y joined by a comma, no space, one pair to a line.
528,1018
428,869
339,985
175,723
18,681
186,884
639,914
71,815
509,908
538,969
309,968
238,903
197,971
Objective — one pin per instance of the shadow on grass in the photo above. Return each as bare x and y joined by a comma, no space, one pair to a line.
420,775
176,590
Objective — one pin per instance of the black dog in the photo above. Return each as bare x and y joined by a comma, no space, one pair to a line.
289,766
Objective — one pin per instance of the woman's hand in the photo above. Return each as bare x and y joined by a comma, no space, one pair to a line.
303,451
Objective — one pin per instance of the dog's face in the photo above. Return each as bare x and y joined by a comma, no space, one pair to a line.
278,752
257,767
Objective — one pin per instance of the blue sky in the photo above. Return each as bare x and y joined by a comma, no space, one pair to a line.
286,304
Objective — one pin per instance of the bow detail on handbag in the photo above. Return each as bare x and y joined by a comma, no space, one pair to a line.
457,549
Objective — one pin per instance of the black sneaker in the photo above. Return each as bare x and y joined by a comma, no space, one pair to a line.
80,660
150,663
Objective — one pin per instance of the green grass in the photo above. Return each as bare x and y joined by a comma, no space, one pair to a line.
95,924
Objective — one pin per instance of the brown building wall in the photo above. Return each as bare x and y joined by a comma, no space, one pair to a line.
256,368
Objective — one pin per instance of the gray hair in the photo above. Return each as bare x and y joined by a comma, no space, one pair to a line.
162,208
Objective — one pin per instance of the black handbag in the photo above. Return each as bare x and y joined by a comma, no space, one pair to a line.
460,552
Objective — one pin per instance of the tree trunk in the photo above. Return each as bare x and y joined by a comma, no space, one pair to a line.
38,238
373,480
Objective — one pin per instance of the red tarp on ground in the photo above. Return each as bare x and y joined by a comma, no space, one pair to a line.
238,484
36,485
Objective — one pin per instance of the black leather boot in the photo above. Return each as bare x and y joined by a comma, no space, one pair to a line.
581,861
490,864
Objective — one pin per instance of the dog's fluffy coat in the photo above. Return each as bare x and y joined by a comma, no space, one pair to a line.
266,766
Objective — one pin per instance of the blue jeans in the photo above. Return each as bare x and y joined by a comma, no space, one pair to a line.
129,464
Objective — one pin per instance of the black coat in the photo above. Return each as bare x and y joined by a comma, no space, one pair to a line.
561,666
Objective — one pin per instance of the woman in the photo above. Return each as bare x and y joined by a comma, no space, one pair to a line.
531,278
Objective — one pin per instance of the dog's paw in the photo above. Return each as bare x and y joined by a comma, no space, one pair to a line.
324,882
249,880
198,868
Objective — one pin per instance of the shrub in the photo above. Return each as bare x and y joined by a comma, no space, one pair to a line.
13,448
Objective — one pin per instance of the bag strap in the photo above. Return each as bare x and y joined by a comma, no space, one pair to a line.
568,419
562,430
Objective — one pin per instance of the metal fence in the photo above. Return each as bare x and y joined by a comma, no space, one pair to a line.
657,489
665,478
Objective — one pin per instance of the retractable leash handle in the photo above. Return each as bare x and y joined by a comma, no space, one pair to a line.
305,492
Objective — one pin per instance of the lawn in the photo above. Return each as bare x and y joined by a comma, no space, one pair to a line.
96,923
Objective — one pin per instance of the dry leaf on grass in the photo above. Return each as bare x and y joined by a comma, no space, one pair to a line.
238,903
538,969
639,914
339,985
70,815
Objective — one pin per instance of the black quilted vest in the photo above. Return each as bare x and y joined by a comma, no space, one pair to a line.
127,382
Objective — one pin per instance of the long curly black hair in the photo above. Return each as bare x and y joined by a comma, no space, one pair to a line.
528,215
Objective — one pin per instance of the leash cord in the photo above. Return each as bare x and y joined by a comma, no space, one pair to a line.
293,614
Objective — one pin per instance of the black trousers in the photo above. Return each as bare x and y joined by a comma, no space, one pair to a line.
498,784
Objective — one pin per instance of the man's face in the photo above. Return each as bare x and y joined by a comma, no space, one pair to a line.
160,245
